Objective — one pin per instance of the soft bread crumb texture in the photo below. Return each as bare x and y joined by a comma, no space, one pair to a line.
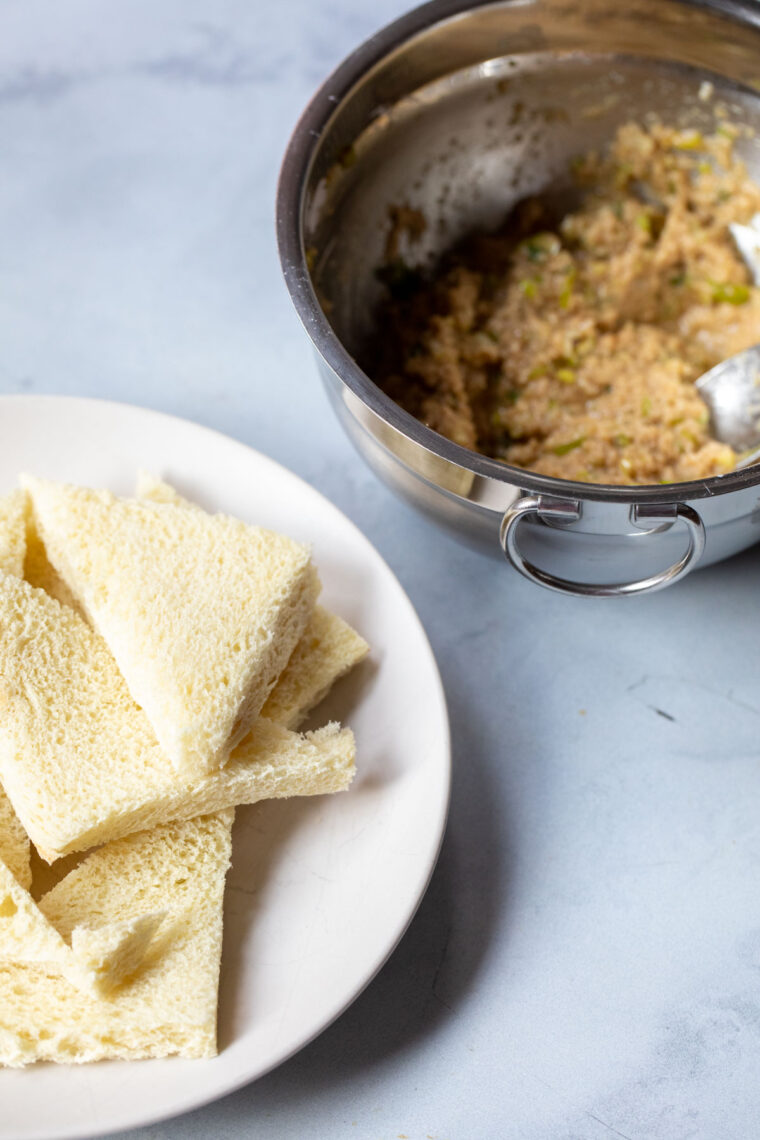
94,961
25,933
13,514
328,648
39,572
200,611
79,760
14,842
170,1006
114,952
46,875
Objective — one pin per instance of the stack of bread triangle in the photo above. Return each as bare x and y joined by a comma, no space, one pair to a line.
156,662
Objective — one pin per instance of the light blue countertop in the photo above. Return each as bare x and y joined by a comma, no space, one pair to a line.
586,963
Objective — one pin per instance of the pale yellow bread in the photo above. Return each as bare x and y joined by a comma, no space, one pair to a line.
328,648
14,842
13,513
115,951
334,645
94,960
150,486
46,875
39,572
79,760
25,933
169,1006
201,612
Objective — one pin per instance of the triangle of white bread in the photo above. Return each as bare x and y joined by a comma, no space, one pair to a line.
201,612
14,842
79,760
328,648
169,1006
93,965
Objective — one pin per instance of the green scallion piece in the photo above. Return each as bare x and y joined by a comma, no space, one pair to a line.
691,141
566,291
566,448
732,293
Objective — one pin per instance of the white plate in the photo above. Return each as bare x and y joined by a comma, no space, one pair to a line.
320,890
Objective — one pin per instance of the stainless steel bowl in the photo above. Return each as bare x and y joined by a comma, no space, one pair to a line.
459,109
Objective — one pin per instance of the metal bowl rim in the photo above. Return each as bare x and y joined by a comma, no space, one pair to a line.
292,181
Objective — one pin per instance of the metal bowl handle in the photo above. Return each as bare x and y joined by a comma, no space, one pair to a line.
569,511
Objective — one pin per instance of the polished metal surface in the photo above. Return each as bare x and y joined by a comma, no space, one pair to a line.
731,391
459,110
564,513
747,239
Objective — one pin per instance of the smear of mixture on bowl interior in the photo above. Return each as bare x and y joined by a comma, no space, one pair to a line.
571,347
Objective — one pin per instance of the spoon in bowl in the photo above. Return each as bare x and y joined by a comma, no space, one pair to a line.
731,389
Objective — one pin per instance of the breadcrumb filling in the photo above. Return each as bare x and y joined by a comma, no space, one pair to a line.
570,345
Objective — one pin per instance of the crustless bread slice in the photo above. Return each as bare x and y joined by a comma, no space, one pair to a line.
201,612
328,648
78,758
169,1006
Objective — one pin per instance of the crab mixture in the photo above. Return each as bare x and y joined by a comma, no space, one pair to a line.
570,346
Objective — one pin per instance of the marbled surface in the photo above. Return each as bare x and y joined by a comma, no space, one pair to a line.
586,963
